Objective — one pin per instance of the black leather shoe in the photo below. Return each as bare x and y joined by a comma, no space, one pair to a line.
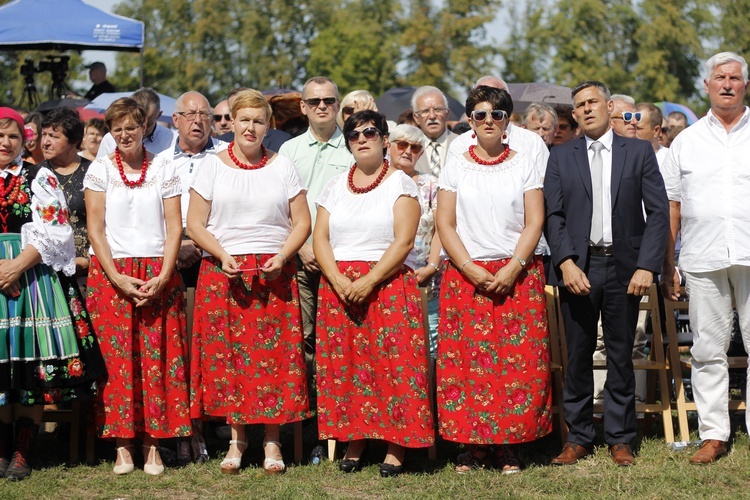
390,470
350,465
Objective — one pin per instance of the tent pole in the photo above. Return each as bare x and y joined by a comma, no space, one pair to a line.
142,76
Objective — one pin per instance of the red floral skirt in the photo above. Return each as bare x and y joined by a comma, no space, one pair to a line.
493,377
145,352
372,363
247,362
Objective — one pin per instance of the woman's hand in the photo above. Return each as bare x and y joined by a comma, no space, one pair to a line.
82,266
273,266
360,290
504,279
131,288
153,288
478,276
424,274
10,273
229,266
341,285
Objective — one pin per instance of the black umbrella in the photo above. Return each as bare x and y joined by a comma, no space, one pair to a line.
524,94
61,103
398,99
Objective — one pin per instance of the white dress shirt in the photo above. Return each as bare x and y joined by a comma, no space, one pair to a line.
606,187
708,172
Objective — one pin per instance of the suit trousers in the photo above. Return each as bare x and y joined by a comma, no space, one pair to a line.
710,312
608,298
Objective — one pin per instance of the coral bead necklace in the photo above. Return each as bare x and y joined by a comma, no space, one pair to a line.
372,186
248,166
11,194
144,169
496,161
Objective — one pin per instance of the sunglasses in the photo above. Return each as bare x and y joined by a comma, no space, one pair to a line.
314,102
227,117
370,133
347,110
403,145
480,115
629,116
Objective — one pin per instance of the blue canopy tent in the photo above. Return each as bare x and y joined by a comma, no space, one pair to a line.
67,25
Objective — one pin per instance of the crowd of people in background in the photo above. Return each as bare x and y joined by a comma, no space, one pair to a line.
387,277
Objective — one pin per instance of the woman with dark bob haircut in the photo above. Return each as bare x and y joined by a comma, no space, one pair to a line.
62,133
372,354
493,349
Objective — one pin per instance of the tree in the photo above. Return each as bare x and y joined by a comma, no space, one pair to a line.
669,50
527,48
359,55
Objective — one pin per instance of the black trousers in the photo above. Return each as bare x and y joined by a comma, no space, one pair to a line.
619,314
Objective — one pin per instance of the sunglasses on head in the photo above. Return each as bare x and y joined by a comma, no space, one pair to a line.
227,117
403,145
370,133
629,116
314,102
480,115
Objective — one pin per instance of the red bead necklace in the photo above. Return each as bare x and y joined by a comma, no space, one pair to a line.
251,166
372,186
144,169
10,194
503,156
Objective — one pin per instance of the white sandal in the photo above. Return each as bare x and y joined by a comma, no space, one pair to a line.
273,465
124,467
152,468
232,465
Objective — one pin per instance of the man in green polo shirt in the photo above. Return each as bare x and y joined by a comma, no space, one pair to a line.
319,154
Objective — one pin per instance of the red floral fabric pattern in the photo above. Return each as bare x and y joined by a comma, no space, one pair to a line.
372,363
493,377
145,352
247,362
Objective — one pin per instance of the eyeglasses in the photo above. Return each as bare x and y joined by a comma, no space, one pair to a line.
347,110
227,117
403,145
314,102
424,113
629,116
370,133
193,115
480,115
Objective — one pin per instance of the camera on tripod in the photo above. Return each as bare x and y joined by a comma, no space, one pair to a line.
57,66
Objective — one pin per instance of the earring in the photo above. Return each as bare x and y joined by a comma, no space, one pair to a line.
473,135
505,135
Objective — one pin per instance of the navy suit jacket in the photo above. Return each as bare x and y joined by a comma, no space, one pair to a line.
636,184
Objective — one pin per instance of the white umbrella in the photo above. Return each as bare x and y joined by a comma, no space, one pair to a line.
102,102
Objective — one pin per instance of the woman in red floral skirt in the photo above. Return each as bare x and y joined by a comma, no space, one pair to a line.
134,295
248,212
372,357
493,379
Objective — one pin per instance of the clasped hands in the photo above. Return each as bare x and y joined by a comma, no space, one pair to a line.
140,292
578,283
353,292
271,269
500,283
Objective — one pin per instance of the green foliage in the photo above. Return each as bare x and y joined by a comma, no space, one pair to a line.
526,51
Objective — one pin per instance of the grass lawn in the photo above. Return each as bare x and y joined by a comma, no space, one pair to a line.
659,473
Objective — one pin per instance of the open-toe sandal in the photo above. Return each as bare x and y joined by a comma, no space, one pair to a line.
476,457
273,465
505,461
232,465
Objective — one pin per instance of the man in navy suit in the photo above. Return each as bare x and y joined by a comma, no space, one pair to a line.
604,256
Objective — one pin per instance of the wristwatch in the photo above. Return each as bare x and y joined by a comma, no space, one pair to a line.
520,260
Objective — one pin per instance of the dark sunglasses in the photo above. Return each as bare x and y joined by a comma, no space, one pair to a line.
227,117
402,145
370,133
629,116
480,115
347,110
314,102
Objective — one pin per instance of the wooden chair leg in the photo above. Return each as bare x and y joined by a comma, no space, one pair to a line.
75,431
331,449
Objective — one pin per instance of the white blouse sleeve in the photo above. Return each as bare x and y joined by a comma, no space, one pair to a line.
532,179
327,197
49,231
447,179
204,180
293,181
409,187
96,176
171,185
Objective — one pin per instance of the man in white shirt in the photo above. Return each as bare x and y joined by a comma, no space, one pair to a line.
707,176
157,139
519,139
192,119
431,114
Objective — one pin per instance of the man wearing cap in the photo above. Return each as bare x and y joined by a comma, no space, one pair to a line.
98,75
